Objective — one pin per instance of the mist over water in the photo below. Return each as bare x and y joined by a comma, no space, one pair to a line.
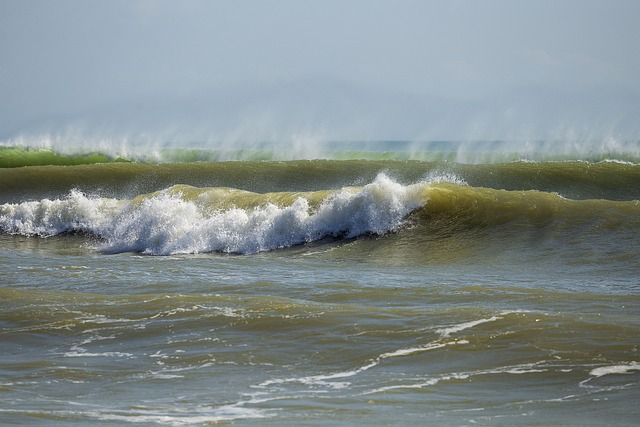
301,84
321,117
304,146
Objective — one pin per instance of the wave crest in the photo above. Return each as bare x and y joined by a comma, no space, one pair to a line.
168,222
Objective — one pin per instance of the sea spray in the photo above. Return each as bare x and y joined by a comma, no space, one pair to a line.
46,218
77,146
167,224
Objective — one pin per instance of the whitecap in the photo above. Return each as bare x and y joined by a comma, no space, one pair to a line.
166,223
615,369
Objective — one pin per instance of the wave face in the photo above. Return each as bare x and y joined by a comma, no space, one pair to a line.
572,180
189,219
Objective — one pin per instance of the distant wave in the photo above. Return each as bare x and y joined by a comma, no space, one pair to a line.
12,157
39,152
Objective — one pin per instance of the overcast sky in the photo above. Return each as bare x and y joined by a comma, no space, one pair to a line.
360,69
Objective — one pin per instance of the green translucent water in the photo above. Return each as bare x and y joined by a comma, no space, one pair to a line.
507,294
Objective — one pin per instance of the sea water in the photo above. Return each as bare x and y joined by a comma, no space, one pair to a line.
315,292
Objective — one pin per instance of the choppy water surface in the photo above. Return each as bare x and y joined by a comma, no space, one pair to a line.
320,292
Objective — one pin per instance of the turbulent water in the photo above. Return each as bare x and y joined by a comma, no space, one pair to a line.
315,292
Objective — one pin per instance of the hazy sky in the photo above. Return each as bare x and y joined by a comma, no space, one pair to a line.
360,69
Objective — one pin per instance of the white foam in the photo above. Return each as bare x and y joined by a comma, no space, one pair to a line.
412,350
615,369
429,382
323,380
103,354
420,385
76,213
326,379
167,224
446,332
181,416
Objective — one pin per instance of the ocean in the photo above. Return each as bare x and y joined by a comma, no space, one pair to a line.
398,286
